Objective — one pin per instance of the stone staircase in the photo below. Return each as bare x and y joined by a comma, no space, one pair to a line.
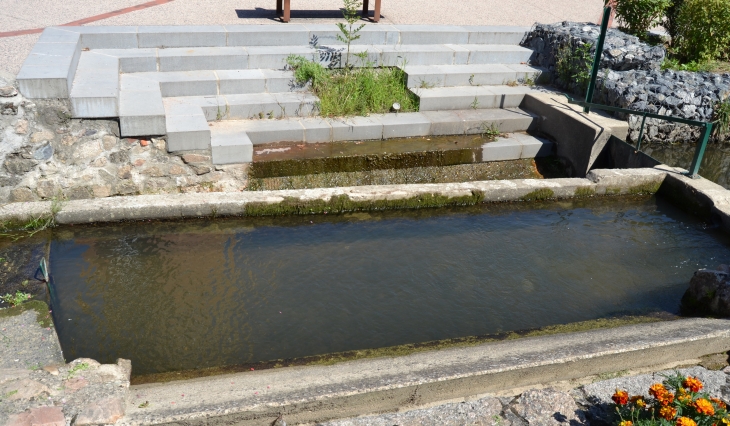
227,88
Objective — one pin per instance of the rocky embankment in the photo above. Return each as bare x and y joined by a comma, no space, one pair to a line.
45,154
631,77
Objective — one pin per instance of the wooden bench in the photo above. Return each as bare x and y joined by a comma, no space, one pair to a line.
286,10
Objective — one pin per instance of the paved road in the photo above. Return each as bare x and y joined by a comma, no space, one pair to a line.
16,15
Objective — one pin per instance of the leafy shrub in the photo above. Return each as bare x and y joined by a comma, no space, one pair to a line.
677,401
703,30
638,16
672,13
721,118
573,66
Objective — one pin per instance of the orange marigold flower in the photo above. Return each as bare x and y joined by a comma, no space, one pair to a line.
666,398
657,389
685,421
693,383
639,401
668,412
704,406
686,398
719,403
626,423
620,397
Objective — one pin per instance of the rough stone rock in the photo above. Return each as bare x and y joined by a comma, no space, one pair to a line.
42,136
106,411
195,158
43,153
101,191
109,142
8,91
13,374
39,416
23,389
75,384
119,157
21,195
112,373
201,169
53,369
126,188
125,172
47,189
177,170
79,193
18,165
126,366
548,407
21,127
87,150
69,140
708,293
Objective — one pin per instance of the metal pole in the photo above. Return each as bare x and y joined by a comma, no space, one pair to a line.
700,152
641,134
597,60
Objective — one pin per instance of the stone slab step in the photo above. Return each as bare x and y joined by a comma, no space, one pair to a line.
376,126
95,89
474,97
426,76
516,146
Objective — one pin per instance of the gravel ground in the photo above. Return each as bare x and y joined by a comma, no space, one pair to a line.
17,15
25,344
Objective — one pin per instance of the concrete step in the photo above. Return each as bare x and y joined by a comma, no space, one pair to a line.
374,127
222,82
426,76
474,97
95,87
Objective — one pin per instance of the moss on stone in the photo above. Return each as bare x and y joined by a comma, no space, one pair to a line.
613,190
584,192
41,308
343,203
400,350
539,195
645,188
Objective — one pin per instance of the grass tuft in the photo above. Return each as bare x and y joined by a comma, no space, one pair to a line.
354,91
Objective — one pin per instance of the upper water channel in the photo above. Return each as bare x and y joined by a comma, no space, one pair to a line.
194,294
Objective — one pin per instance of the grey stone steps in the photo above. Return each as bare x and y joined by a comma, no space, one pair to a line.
516,146
376,126
425,76
222,82
49,70
474,97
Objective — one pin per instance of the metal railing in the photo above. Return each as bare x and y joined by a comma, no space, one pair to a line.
588,105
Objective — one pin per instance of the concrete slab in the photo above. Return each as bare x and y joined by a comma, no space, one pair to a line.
44,82
240,81
54,49
403,125
267,35
356,128
432,34
203,58
496,34
505,120
133,60
501,150
428,54
181,36
59,35
279,81
213,107
185,83
230,147
141,113
274,57
475,97
95,95
268,131
326,34
461,54
498,54
316,130
187,132
533,147
117,37
254,105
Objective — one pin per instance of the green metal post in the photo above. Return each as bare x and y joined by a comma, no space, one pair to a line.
641,134
700,151
597,60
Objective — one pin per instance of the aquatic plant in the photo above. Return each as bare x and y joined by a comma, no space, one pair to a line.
15,299
677,401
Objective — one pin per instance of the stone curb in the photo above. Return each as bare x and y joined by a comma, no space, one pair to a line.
177,206
321,393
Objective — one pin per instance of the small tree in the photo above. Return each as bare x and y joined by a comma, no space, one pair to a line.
639,16
350,34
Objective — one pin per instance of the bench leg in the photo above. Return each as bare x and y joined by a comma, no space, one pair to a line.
287,10
365,8
278,7
376,17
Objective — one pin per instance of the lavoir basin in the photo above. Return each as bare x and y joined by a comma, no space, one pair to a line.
196,294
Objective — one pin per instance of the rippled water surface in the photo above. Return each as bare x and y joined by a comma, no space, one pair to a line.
197,294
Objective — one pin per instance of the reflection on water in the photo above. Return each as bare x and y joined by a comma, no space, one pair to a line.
197,294
715,164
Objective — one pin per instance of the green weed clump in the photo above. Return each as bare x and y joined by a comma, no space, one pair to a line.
573,66
721,118
15,299
703,31
354,91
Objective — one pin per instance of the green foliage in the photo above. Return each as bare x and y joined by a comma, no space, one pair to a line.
703,30
672,13
490,131
721,118
15,299
349,31
638,16
573,65
358,91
